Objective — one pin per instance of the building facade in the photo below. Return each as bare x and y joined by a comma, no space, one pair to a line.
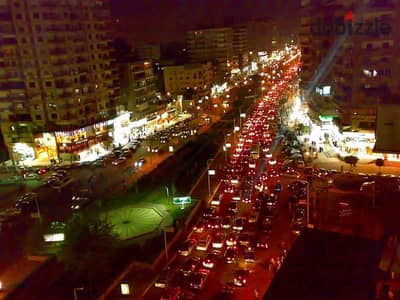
354,69
137,85
148,52
57,75
240,46
211,45
195,76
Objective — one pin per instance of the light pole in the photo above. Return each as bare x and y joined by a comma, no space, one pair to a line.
165,230
167,189
209,173
38,209
76,292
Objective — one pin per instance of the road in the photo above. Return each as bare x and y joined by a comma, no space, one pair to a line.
222,273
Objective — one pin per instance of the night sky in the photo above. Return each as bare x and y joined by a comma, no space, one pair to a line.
167,20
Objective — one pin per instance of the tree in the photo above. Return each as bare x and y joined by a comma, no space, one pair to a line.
379,162
89,248
351,160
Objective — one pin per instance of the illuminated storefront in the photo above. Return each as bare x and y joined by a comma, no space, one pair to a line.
45,146
23,152
121,130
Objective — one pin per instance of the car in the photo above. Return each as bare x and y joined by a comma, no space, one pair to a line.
209,212
253,218
80,203
231,240
239,224
190,266
200,226
42,171
367,186
214,222
210,260
262,241
267,223
241,277
219,240
52,181
31,176
295,185
244,239
204,242
62,172
233,207
226,222
27,203
81,195
119,161
249,254
230,255
140,162
171,293
186,247
127,154
216,201
197,281
58,175
155,149
162,279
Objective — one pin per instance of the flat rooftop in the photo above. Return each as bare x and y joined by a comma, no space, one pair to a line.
325,265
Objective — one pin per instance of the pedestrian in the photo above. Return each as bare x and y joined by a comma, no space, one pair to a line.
341,169
256,295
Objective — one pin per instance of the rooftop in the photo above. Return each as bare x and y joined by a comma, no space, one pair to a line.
328,266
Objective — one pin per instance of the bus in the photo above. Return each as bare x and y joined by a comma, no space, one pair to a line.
255,151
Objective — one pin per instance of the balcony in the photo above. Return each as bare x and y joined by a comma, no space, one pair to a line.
58,51
20,118
57,40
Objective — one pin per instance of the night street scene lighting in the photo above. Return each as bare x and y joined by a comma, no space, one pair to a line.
199,150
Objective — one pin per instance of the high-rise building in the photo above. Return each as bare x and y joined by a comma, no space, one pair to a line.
57,76
194,76
240,45
349,52
262,35
212,44
137,85
148,52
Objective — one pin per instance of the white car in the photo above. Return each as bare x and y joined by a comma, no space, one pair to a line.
204,243
219,241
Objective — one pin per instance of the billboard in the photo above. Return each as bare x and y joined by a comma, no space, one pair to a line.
387,129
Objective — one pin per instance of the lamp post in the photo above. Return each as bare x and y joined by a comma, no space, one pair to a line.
165,230
76,292
167,190
38,209
209,173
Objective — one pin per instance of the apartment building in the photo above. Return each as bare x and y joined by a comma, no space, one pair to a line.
137,85
196,76
349,52
58,82
148,52
240,46
212,44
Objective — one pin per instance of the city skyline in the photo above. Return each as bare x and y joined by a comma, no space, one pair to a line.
141,21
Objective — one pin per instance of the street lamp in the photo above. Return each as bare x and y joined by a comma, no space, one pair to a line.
165,230
209,173
167,190
76,292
